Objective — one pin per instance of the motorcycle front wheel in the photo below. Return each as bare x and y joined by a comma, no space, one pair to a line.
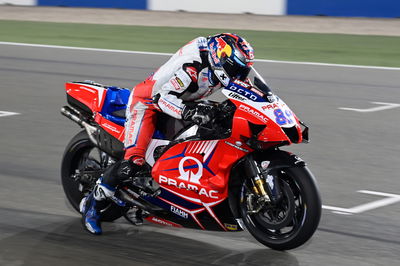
290,222
82,157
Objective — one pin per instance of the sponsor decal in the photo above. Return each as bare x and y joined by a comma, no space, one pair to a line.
236,96
236,146
242,83
192,73
179,212
171,107
244,92
231,227
257,92
189,175
213,54
163,222
131,136
222,76
180,184
131,140
253,113
110,127
179,82
175,84
126,170
270,106
224,49
192,177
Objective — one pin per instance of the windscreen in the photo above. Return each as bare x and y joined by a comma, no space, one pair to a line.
259,83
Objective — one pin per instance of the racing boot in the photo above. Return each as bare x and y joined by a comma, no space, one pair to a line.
91,206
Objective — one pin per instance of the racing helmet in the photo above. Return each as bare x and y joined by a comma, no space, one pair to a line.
230,57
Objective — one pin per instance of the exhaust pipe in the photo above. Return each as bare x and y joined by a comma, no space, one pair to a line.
74,115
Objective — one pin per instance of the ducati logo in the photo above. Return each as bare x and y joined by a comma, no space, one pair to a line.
192,177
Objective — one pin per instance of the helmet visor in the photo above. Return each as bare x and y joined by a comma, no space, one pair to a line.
235,68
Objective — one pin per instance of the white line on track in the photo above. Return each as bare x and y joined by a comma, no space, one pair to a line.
5,113
169,54
385,106
387,200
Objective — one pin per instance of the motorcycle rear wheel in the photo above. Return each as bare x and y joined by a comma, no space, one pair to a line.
291,222
77,156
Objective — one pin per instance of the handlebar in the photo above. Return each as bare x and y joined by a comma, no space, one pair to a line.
218,112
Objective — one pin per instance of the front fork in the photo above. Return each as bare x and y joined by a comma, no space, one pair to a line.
264,184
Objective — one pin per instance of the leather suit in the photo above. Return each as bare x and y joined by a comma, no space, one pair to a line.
184,77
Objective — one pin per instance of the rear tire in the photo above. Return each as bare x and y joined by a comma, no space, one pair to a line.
76,156
294,220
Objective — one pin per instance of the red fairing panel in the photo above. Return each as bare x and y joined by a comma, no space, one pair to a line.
114,129
198,171
90,95
164,222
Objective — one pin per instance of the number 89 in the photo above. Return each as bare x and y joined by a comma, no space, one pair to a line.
283,118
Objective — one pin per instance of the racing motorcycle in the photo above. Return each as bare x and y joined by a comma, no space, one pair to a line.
228,175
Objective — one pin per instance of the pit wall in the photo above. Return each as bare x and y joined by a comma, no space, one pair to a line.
345,8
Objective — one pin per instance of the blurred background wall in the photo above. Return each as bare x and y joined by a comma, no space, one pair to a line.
349,8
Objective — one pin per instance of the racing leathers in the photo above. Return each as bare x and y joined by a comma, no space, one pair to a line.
185,77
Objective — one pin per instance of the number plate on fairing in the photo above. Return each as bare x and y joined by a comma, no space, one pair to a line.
280,113
277,111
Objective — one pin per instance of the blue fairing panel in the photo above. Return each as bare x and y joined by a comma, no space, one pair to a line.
114,107
115,104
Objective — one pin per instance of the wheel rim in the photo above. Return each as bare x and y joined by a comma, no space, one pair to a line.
283,220
85,158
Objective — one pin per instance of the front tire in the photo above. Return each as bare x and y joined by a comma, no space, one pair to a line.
80,155
292,221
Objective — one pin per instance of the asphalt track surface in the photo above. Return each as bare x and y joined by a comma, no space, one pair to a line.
349,151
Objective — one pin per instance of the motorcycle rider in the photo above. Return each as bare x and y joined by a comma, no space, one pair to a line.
198,69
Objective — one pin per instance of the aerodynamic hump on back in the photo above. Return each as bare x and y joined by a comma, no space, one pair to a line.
87,96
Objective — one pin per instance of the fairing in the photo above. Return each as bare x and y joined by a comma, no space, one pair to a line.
106,104
257,104
194,172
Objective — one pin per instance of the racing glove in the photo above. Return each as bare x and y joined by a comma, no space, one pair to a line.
199,113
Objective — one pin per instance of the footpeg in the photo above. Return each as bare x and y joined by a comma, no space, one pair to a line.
135,215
